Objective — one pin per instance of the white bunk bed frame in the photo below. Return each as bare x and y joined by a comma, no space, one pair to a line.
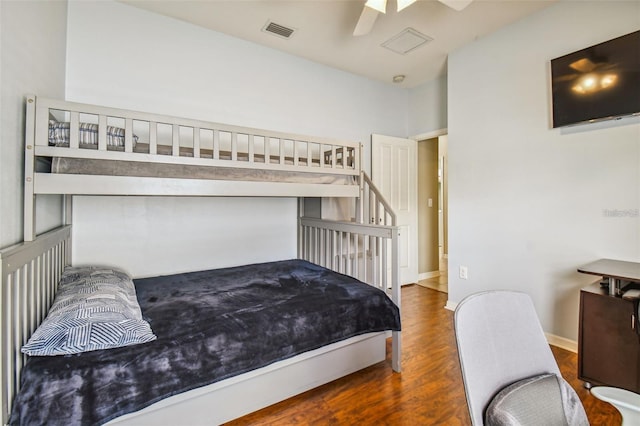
31,270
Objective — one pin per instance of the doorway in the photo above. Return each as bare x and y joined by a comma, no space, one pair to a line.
432,213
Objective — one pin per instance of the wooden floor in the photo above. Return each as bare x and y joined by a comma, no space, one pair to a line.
429,391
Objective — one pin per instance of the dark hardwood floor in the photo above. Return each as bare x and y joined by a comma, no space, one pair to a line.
429,391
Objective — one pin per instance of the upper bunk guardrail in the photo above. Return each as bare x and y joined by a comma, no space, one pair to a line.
120,134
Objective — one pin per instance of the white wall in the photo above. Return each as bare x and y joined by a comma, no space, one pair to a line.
32,60
527,202
152,63
428,107
157,236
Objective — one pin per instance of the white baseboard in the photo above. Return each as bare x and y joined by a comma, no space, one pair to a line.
451,305
552,339
562,342
427,275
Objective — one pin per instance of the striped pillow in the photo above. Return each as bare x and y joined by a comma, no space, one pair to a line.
87,134
94,308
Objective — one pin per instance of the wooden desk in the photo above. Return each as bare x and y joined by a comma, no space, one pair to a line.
608,339
608,343
614,271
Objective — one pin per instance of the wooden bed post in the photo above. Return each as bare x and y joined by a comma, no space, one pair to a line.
360,199
29,166
5,339
67,217
67,209
395,296
300,215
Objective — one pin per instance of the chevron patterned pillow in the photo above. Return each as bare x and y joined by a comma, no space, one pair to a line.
94,308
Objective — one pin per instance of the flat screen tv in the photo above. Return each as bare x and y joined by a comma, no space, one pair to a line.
597,83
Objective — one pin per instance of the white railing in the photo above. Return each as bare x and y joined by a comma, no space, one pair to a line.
167,139
30,273
361,251
372,207
366,252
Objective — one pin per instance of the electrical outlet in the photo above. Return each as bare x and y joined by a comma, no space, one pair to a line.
464,273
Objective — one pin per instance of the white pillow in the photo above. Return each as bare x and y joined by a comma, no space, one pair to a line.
94,308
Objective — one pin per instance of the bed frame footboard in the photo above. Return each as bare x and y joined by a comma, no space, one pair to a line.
30,273
366,252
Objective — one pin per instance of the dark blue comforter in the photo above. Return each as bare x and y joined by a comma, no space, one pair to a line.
211,325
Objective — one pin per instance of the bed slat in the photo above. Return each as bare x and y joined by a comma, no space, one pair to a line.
216,144
175,146
267,150
153,138
281,148
128,135
234,146
74,130
102,133
196,142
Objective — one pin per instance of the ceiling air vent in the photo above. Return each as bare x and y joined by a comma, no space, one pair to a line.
408,40
278,30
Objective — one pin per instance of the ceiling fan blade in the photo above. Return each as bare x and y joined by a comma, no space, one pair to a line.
456,4
365,23
379,5
403,4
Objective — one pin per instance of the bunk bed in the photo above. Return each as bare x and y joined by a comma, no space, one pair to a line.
78,149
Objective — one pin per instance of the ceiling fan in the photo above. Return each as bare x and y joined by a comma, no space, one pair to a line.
373,8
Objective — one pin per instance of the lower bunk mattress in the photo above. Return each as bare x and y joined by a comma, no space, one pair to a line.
210,325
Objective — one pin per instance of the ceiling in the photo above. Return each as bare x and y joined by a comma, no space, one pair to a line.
324,30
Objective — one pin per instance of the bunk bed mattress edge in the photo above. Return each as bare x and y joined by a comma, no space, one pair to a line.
87,166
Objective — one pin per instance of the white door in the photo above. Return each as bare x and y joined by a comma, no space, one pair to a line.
394,165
